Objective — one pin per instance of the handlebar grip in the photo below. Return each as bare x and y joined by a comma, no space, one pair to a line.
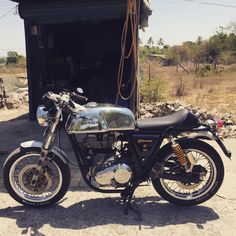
79,98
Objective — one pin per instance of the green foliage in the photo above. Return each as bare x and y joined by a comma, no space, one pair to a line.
220,48
14,58
150,42
178,53
228,57
2,60
151,90
12,54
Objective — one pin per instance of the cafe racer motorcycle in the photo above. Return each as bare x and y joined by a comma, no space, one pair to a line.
115,154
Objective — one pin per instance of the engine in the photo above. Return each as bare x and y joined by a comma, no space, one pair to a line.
112,173
109,165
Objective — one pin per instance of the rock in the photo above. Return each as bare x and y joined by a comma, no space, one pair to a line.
229,122
159,109
226,116
25,96
210,116
147,115
149,107
21,90
198,114
142,111
12,105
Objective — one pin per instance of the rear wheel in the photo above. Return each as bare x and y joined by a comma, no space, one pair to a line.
52,185
187,193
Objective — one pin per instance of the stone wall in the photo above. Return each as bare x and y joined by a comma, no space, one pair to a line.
16,98
159,109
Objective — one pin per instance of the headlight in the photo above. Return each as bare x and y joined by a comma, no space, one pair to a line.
42,116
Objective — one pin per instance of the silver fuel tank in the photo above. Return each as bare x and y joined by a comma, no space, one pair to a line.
99,118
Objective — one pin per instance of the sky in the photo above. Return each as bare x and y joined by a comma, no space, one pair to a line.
175,21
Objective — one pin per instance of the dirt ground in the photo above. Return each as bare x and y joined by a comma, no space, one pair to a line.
83,212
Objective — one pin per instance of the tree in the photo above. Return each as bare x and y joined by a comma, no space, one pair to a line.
231,27
150,42
12,54
179,54
160,42
199,40
2,60
14,58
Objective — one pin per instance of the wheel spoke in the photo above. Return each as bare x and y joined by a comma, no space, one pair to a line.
193,190
49,181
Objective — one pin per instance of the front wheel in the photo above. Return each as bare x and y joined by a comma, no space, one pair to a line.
188,194
52,185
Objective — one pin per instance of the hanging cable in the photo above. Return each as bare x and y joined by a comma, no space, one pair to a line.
8,12
211,3
132,20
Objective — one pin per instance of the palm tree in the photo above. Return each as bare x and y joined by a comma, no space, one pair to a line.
150,42
160,42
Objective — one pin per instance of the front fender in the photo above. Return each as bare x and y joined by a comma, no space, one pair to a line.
55,150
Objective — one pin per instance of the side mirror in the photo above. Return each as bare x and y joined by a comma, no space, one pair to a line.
80,90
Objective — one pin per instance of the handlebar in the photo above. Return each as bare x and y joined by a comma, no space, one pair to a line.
54,97
66,100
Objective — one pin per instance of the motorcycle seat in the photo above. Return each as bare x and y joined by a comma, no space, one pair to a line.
180,120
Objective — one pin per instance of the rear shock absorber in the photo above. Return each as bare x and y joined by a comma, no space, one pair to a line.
178,151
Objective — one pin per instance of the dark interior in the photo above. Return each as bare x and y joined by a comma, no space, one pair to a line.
78,55
76,43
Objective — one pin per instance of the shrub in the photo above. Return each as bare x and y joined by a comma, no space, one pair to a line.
151,90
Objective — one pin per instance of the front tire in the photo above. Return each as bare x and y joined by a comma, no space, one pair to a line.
179,193
52,184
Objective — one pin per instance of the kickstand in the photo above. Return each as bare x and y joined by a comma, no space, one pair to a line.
127,198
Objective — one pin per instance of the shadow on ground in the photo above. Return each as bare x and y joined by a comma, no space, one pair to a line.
103,211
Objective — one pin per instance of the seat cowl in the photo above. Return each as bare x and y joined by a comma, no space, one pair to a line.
180,120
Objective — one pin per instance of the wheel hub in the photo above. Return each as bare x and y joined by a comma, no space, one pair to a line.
197,176
44,182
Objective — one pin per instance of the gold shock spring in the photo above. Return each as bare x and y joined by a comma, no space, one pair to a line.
178,151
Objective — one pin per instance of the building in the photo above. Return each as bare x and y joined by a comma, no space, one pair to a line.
77,43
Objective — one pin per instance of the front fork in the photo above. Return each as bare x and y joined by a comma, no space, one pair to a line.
45,148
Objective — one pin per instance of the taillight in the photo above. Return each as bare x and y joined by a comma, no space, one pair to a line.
220,124
215,124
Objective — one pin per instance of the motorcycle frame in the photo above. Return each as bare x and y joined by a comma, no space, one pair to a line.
141,171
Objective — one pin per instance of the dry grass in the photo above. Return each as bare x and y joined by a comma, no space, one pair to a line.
212,91
12,70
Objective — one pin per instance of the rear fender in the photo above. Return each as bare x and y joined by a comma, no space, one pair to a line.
55,150
211,136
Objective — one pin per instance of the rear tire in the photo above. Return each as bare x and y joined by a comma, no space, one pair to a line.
216,175
16,181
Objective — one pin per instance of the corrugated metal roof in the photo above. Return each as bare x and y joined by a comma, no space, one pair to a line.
50,12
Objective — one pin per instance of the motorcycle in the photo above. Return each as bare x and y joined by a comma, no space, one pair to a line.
116,154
